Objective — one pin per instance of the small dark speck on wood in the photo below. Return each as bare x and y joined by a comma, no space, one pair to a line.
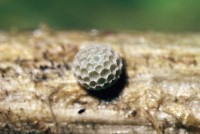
40,78
81,111
43,67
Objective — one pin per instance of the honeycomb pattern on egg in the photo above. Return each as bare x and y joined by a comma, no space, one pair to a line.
97,67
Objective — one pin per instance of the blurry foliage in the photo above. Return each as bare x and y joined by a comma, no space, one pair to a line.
162,15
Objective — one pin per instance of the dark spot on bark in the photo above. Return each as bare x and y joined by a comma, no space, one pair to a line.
2,75
43,67
59,66
134,113
81,111
45,55
52,64
67,67
40,78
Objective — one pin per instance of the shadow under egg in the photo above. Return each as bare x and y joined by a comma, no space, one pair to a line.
113,91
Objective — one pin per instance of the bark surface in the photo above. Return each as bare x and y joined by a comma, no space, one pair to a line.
158,92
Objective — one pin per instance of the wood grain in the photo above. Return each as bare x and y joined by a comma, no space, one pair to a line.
158,92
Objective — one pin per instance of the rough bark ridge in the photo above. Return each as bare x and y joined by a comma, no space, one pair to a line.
159,91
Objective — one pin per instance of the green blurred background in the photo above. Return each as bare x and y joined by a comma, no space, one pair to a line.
126,15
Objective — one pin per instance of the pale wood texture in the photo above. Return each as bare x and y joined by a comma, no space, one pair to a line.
159,91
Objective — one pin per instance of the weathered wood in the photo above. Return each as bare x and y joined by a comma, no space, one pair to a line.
159,91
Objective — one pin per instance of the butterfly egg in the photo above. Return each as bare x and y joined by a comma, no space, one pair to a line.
97,67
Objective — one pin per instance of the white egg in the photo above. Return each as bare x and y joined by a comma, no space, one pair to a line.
97,67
